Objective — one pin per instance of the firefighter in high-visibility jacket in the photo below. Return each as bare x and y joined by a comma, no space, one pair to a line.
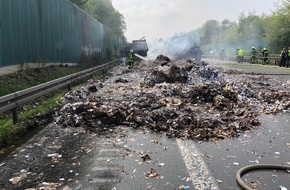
130,59
241,54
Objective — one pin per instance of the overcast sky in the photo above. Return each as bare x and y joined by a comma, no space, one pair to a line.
164,18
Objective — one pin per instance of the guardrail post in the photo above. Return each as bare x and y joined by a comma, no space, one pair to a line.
15,115
69,87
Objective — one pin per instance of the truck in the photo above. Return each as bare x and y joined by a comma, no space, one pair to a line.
138,46
193,52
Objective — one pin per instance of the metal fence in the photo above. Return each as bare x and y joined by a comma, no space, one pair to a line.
231,47
51,30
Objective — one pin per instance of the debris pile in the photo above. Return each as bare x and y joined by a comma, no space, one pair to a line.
181,98
162,60
167,74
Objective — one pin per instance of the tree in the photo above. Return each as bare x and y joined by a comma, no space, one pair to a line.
278,27
211,29
105,13
270,30
79,3
226,24
229,35
250,26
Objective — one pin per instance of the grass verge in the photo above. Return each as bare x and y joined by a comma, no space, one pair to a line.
35,114
23,79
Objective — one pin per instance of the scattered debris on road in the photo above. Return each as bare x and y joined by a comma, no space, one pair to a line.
181,98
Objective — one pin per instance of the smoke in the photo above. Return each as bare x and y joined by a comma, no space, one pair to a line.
173,46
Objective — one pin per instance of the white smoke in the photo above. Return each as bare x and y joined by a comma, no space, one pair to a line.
173,46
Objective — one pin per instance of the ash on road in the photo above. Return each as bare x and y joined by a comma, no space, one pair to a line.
110,134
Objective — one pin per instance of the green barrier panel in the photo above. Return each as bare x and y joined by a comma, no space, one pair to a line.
51,30
0,32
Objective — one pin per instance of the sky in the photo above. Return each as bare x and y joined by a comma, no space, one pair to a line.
164,18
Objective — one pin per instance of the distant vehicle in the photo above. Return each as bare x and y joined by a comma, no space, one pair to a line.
196,53
138,46
193,52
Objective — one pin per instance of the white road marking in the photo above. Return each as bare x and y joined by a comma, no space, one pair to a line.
106,168
196,167
105,180
109,150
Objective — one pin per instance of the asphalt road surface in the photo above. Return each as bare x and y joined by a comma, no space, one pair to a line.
131,159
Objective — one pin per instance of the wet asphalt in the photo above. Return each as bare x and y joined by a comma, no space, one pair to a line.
124,158
120,158
267,144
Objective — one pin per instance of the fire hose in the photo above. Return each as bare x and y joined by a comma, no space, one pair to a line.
245,169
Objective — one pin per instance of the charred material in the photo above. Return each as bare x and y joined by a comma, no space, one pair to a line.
162,60
183,99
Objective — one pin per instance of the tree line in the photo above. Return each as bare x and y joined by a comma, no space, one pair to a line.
105,13
271,31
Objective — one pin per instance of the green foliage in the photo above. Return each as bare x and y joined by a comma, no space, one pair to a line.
211,29
8,131
229,35
227,24
79,3
41,107
33,76
105,13
44,105
250,26
278,27
271,30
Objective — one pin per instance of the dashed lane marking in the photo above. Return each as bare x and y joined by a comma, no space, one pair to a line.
110,150
106,168
105,180
108,158
196,167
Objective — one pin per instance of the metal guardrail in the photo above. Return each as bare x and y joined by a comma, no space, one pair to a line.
272,57
14,100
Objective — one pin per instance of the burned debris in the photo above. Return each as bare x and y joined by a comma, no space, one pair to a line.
162,60
182,98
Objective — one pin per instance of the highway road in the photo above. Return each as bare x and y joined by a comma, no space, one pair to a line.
125,158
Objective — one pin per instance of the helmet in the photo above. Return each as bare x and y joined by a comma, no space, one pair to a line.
265,49
253,47
131,50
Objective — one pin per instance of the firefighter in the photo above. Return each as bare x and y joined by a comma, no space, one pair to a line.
241,53
130,59
265,55
288,57
254,55
283,57
237,56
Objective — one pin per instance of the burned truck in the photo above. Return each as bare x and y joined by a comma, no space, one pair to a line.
193,52
138,46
